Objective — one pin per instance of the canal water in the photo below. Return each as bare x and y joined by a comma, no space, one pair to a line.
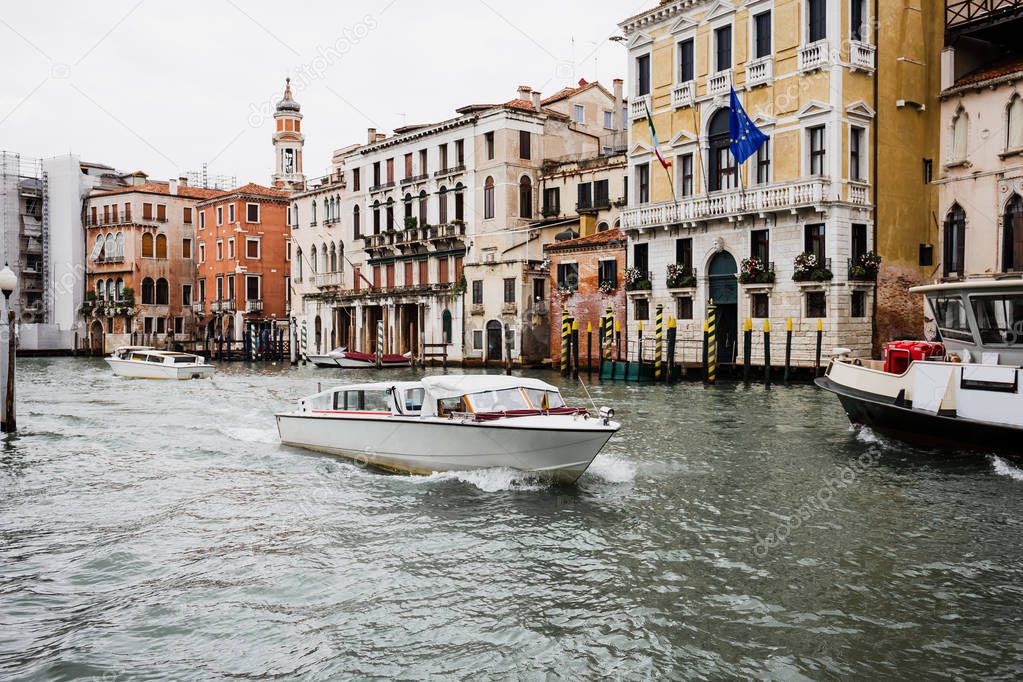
159,531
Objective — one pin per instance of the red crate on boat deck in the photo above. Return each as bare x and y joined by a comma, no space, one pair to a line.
898,354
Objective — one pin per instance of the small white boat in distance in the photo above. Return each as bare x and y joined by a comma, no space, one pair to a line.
452,423
145,362
349,359
330,359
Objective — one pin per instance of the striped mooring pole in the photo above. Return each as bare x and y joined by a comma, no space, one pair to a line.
305,341
788,348
380,343
712,342
658,341
609,334
566,335
817,360
672,335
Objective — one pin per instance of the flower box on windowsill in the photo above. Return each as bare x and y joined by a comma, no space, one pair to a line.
477,309
819,276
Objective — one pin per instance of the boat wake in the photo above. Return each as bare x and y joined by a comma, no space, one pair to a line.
868,436
492,480
1003,468
612,469
250,434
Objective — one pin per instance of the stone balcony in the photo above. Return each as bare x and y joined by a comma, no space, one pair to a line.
814,56
322,280
814,194
683,94
254,305
638,106
861,56
720,83
759,71
411,238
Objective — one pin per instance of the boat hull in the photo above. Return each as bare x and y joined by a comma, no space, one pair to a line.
134,369
556,447
885,415
325,361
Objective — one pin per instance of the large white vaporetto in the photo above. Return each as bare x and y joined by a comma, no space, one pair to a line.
451,423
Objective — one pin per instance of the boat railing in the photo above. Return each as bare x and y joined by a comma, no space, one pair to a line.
486,416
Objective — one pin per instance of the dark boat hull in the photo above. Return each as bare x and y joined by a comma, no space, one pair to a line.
886,416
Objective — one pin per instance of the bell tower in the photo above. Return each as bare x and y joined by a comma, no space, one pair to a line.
288,140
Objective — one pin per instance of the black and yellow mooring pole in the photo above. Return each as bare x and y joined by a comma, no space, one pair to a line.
817,361
659,342
672,335
747,349
639,354
566,336
609,334
575,348
618,338
767,352
788,348
712,343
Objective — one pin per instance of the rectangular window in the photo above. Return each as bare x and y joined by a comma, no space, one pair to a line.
760,245
443,163
568,276
686,63
186,294
525,151
202,290
601,194
252,288
147,212
551,201
220,288
858,304
252,248
230,248
684,252
579,112
928,170
643,183
408,166
390,171
161,212
643,75
509,289
539,290
460,152
230,287
252,213
641,257
220,214
817,20
760,305
202,220
817,150
763,161
161,328
477,339
723,48
186,247
202,252
584,191
857,31
230,213
376,175
186,215
762,35
813,241
859,241
477,292
685,174
816,304
127,212
442,269
684,307
607,271
356,180
424,271
609,120
855,151
642,309
488,142
220,249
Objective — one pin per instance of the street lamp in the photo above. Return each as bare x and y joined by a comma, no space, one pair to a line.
8,283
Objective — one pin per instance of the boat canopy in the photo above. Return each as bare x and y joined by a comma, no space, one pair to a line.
457,385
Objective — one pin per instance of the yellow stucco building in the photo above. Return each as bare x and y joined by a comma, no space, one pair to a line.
826,82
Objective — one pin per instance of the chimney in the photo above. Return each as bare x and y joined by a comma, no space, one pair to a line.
371,135
535,98
173,186
619,110
525,92
183,181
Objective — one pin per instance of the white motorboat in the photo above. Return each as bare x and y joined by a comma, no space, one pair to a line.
350,359
452,423
962,392
330,359
145,362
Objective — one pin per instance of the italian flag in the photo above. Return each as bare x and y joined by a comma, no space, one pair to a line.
653,136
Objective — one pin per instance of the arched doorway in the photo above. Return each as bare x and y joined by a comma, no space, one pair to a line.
724,291
722,164
1012,239
96,338
494,341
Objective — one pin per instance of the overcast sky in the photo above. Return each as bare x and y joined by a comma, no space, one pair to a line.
164,86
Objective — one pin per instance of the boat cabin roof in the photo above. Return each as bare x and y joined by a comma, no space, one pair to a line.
457,385
969,285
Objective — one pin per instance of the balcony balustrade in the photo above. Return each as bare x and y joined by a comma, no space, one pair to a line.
861,56
328,279
683,94
638,106
720,83
813,56
760,71
254,305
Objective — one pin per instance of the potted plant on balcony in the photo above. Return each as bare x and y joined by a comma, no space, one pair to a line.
680,276
754,270
127,303
411,223
89,303
865,267
807,268
608,286
636,280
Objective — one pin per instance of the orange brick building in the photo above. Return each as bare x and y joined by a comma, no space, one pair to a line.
243,260
578,268
141,238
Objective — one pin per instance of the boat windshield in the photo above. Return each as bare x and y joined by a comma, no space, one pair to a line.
498,401
950,316
544,400
999,318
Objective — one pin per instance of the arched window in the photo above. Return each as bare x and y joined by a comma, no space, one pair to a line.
376,217
148,291
459,202
722,163
340,256
162,293
324,260
312,259
356,222
161,246
298,264
488,198
408,206
119,245
111,292
954,244
960,134
100,289
445,319
108,246
333,258
120,289
1014,124
525,197
313,209
1012,231
389,226
423,212
147,245
442,205
602,227
98,253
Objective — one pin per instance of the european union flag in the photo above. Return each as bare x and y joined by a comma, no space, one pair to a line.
744,138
